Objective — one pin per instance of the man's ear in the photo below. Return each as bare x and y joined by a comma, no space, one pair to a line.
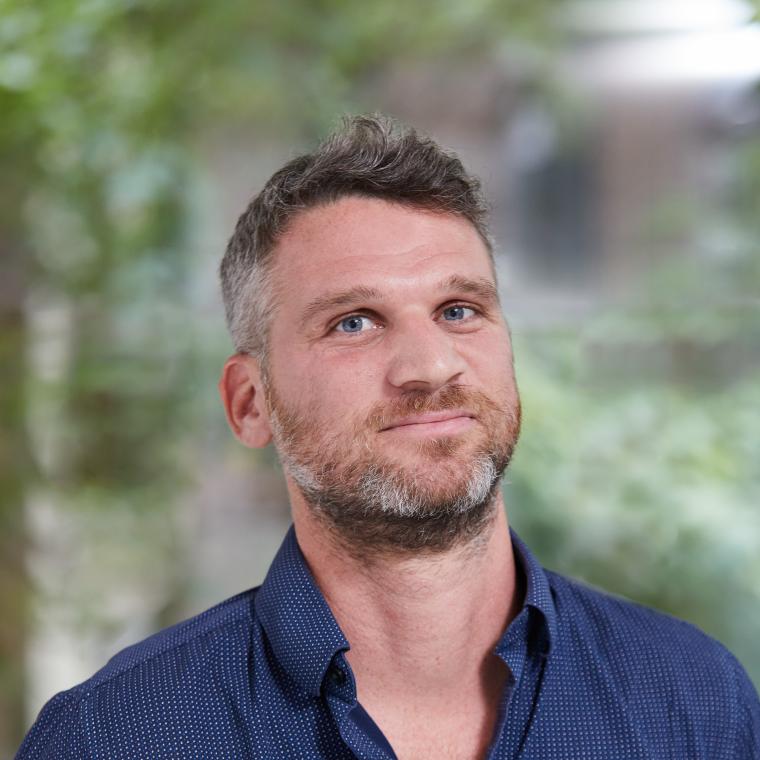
242,394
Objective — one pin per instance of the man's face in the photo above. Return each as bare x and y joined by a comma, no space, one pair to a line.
389,381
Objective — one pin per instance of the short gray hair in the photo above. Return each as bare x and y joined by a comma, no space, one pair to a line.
368,156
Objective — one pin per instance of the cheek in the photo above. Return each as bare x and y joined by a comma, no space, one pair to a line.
344,396
489,356
351,368
332,389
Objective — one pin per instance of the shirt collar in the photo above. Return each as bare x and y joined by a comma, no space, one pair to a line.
538,595
305,636
298,622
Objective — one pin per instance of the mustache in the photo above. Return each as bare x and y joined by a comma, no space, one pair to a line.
475,403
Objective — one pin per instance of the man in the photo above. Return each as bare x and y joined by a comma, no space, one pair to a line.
401,617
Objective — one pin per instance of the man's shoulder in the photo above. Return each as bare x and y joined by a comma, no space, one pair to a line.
585,608
628,634
654,671
192,643
199,660
225,620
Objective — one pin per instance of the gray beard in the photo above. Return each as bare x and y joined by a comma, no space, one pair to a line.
372,506
382,511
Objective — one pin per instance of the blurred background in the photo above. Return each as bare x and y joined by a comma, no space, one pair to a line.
619,141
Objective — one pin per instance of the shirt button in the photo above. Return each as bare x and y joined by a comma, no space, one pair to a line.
336,675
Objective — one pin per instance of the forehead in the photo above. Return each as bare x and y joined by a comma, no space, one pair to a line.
375,243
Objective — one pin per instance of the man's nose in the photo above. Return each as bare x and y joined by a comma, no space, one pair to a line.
424,357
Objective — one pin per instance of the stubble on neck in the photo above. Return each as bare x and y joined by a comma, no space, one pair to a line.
377,539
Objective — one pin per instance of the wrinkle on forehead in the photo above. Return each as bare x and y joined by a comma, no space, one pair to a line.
366,224
408,259
361,241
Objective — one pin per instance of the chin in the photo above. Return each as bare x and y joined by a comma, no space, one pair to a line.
434,449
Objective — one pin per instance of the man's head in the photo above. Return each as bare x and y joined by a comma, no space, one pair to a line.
376,355
369,156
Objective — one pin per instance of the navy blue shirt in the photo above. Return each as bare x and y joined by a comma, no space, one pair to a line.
264,675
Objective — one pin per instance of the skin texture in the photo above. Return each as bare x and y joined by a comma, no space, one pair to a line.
336,400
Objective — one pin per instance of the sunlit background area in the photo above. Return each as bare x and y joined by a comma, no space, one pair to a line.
619,143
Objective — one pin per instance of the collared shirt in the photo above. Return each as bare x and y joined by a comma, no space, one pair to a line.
264,675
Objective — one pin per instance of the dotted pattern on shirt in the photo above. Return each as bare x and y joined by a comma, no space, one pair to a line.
263,675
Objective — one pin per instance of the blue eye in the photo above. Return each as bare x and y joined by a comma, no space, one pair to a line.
454,313
352,324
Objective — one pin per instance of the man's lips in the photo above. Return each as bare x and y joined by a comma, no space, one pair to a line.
448,421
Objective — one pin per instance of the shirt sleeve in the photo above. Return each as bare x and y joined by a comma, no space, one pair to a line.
748,714
57,733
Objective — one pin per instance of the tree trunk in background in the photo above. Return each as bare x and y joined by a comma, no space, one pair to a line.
15,468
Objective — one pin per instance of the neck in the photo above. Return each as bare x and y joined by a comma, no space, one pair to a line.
417,623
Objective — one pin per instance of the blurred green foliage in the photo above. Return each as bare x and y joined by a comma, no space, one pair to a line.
103,105
638,465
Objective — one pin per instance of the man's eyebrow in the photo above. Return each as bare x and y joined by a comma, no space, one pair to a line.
334,300
480,287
